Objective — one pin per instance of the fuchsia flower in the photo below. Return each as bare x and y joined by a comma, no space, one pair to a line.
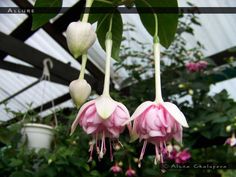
116,169
103,117
182,156
231,141
130,172
196,66
157,122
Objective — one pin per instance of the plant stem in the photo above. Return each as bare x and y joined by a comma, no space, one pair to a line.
86,15
156,24
83,65
105,1
155,18
108,44
156,49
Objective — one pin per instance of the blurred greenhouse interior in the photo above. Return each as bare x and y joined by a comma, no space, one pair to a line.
36,68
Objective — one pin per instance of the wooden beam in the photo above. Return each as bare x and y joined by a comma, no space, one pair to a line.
35,57
56,29
19,91
221,57
46,106
29,71
22,32
57,101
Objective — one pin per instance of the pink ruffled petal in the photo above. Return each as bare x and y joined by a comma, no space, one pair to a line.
154,133
123,108
151,117
91,129
178,135
78,117
176,113
120,116
141,109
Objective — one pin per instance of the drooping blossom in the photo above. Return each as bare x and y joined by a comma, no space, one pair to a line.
130,172
80,36
157,122
182,156
177,155
103,117
79,91
116,169
231,141
196,66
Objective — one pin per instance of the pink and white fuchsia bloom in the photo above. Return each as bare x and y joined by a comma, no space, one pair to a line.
116,169
231,141
196,66
157,122
103,117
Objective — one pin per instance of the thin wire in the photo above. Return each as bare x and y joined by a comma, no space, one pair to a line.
46,77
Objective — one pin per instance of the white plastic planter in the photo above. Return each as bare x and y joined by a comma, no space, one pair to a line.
38,136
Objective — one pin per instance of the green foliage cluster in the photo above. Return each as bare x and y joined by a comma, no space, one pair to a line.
166,31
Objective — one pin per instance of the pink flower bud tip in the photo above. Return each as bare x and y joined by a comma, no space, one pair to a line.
231,141
130,172
116,169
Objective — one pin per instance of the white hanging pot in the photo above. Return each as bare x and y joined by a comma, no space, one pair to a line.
37,136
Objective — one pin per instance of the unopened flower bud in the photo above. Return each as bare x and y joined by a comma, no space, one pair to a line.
80,37
181,86
116,169
191,92
228,128
130,172
79,91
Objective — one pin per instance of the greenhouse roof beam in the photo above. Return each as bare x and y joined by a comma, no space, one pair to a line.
20,91
57,101
44,107
221,57
29,71
35,57
22,32
56,29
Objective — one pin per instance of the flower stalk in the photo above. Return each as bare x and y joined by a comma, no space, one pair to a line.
106,88
156,50
83,65
84,56
108,45
86,15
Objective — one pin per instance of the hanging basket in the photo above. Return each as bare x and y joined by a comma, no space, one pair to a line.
37,135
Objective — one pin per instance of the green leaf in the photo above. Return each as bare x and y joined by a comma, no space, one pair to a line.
39,19
167,23
117,30
94,17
